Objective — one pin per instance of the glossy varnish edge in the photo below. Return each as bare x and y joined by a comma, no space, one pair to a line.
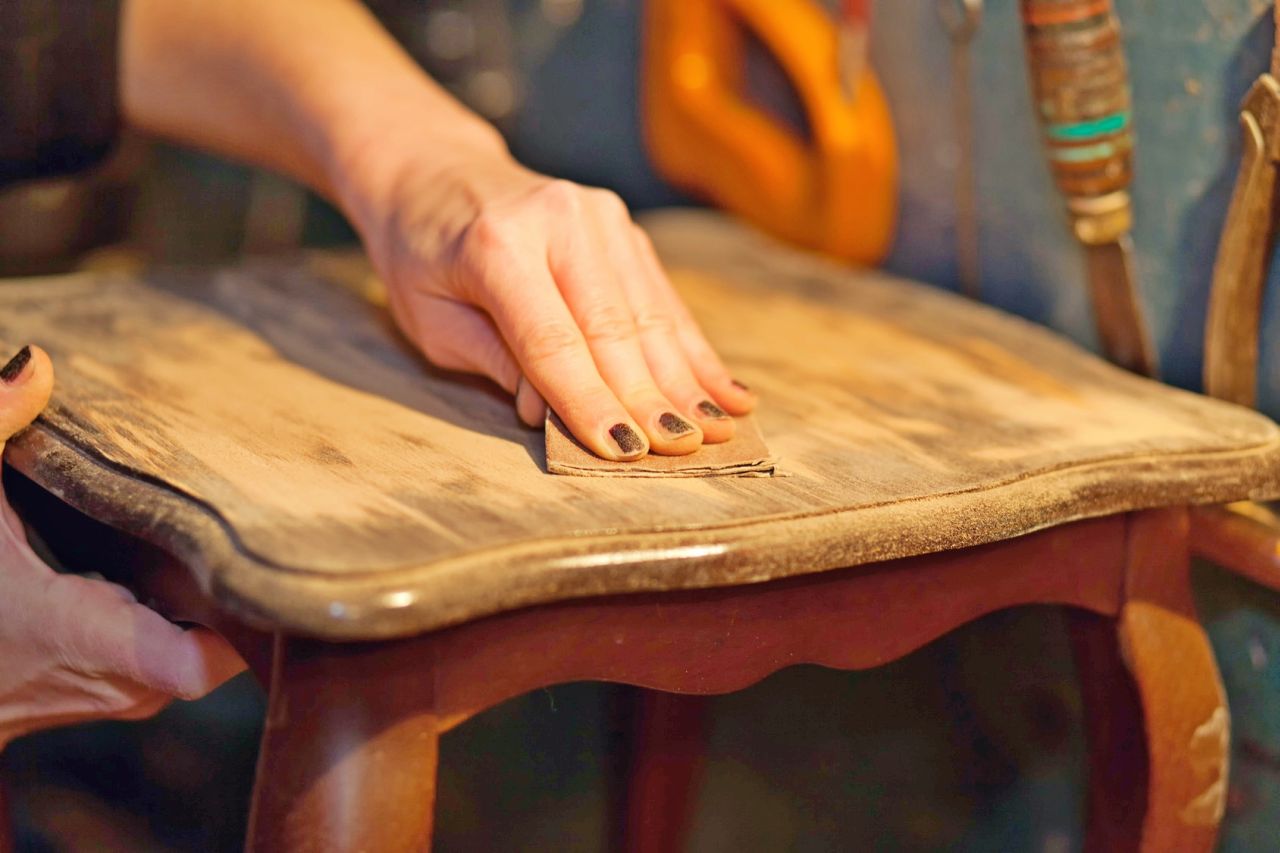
418,598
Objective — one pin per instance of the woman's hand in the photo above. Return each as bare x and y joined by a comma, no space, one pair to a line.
549,289
74,649
545,286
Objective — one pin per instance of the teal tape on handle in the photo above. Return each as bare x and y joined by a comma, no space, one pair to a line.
1083,153
1113,123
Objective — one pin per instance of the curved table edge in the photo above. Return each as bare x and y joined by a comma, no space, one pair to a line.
386,604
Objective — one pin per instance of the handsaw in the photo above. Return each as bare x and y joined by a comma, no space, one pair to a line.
831,186
1081,88
1245,248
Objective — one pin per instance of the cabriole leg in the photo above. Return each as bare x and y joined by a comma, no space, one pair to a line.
348,758
1156,711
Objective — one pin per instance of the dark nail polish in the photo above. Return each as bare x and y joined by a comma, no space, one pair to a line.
738,385
711,410
626,439
9,373
674,424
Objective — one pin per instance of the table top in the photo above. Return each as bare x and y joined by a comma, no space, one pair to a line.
267,425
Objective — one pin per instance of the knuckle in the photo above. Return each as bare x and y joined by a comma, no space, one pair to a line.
656,323
562,196
550,342
489,248
610,202
609,324
490,233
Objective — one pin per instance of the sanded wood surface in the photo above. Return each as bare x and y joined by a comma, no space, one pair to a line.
268,427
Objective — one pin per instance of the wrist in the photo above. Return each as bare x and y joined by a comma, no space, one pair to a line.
405,140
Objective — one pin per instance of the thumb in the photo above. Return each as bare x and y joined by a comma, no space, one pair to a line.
26,382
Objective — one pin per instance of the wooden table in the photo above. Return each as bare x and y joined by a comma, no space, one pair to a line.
382,543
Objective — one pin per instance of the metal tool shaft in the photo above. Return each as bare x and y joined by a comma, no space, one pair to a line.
961,19
1107,264
1081,89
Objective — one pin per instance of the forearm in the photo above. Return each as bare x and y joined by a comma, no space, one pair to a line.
309,88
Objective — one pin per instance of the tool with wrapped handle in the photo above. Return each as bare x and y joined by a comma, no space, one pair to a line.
1081,89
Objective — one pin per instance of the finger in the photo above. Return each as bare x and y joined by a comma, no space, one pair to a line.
726,392
26,382
530,405
454,336
122,593
592,290
534,320
184,663
104,635
643,284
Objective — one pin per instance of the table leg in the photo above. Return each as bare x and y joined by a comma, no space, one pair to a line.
6,831
348,757
1156,712
1117,791
669,733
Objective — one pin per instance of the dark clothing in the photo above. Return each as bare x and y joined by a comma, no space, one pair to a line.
59,110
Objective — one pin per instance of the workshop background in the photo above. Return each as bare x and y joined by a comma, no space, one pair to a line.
973,743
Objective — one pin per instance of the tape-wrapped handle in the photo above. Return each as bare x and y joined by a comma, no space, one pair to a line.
1080,84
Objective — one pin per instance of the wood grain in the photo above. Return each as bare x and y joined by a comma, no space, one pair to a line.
268,427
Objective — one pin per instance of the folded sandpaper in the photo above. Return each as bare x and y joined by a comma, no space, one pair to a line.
745,455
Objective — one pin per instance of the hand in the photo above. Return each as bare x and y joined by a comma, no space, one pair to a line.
74,649
542,285
549,289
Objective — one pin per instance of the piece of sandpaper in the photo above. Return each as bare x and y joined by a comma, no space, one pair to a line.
745,455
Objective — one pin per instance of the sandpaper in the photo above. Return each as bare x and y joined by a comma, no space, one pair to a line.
745,455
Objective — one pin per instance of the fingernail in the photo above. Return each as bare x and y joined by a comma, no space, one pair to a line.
711,410
10,372
738,385
626,439
674,424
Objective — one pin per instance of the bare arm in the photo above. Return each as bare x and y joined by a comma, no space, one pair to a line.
303,87
544,286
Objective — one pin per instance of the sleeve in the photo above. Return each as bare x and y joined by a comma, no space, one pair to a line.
59,111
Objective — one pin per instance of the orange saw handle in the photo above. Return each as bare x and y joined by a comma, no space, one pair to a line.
835,192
